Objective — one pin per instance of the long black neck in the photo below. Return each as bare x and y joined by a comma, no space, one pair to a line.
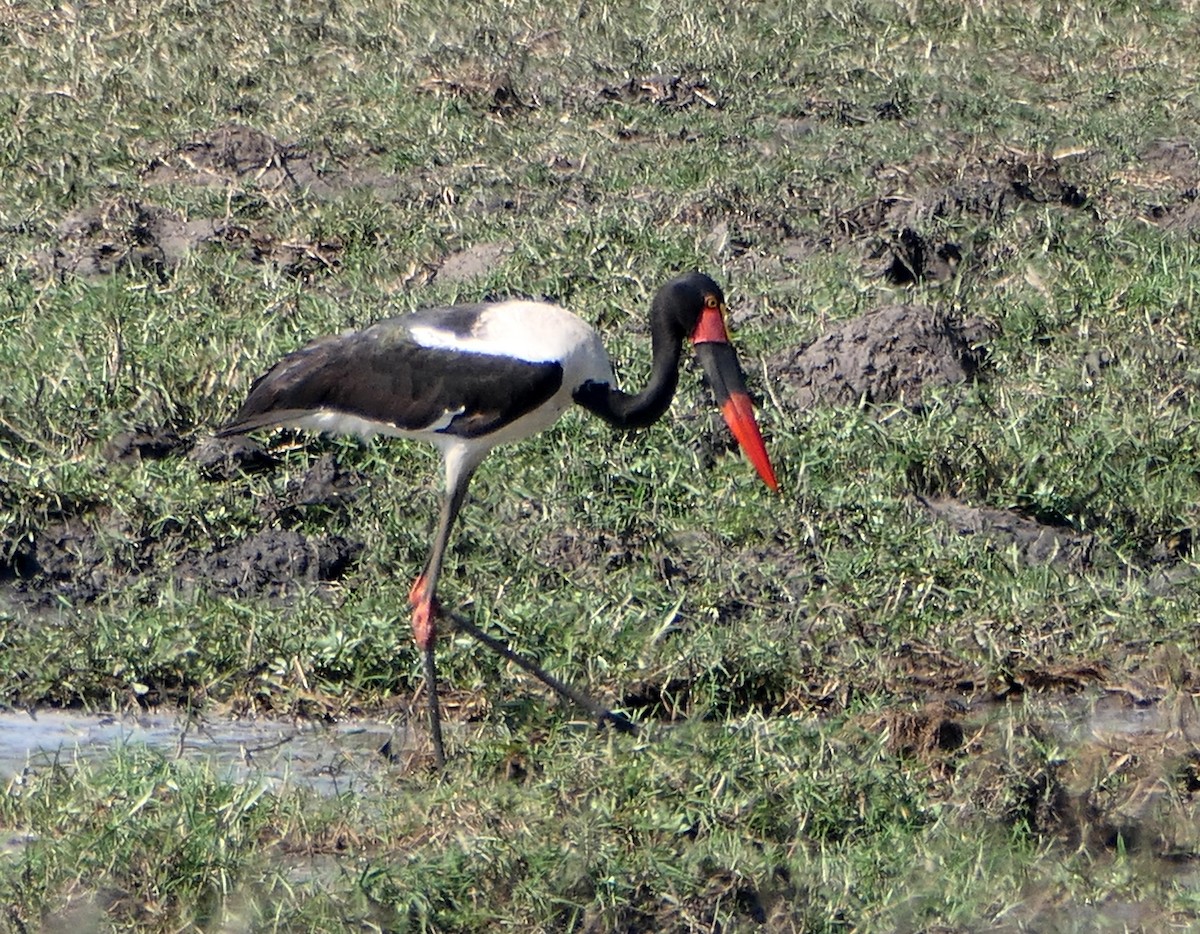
622,410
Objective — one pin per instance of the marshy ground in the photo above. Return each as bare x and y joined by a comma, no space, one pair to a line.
944,682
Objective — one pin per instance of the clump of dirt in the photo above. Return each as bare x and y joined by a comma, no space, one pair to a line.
495,91
81,559
66,561
1070,678
1169,172
671,91
1004,530
226,458
1043,180
472,263
143,444
739,690
126,234
236,153
927,734
893,354
271,563
325,483
912,258
902,227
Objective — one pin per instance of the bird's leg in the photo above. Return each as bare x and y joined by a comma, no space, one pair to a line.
618,720
425,609
424,624
435,711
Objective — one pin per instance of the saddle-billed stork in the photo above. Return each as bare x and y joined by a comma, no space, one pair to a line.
470,377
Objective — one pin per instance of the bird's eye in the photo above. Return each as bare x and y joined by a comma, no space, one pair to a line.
710,301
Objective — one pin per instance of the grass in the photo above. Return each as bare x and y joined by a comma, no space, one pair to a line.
802,661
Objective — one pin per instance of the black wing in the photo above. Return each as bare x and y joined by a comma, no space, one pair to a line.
382,375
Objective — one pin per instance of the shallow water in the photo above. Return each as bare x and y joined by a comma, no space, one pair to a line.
328,758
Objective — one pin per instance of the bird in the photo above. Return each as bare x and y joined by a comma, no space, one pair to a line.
470,377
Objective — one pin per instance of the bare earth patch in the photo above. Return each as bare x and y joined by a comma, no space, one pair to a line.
242,157
474,262
85,558
272,563
1034,542
893,354
125,234
1167,178
236,153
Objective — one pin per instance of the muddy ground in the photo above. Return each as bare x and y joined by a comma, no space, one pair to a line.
888,359
891,356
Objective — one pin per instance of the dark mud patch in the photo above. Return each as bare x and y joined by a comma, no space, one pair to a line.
910,258
1167,178
892,355
274,564
1005,531
82,560
904,229
129,235
125,234
227,458
71,560
238,156
669,91
85,558
144,444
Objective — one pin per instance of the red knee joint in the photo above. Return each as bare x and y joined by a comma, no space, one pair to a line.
424,624
416,593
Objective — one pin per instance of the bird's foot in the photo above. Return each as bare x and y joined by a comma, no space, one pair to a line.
424,622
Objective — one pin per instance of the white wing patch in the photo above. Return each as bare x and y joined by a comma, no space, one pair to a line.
536,332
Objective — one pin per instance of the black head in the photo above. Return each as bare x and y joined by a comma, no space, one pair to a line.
679,303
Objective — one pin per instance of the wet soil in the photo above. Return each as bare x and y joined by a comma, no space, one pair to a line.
891,355
125,234
272,564
1030,541
894,355
87,557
